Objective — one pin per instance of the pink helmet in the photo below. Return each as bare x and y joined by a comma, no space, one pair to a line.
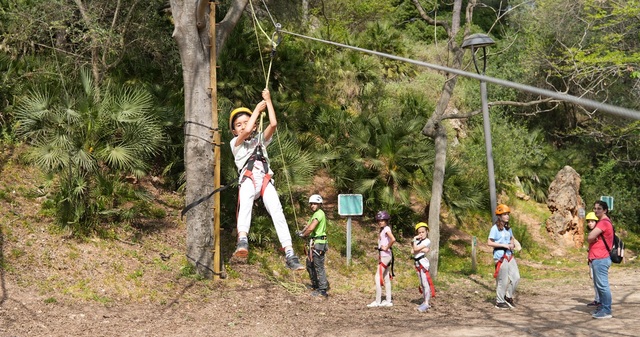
382,215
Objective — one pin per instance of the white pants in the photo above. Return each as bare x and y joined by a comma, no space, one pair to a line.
248,193
507,280
385,277
424,281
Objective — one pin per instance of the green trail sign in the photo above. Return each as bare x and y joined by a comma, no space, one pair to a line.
608,200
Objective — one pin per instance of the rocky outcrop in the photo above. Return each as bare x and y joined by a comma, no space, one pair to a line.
565,225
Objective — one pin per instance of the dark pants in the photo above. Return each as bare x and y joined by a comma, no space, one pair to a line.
315,267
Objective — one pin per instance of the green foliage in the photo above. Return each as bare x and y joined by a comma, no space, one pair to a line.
383,37
530,171
90,141
609,180
339,18
50,300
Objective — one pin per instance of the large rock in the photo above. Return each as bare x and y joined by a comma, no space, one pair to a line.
565,225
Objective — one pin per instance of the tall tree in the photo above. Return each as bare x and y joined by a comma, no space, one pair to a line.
193,42
434,128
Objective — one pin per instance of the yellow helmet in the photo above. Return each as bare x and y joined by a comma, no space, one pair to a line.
591,216
501,209
235,112
421,224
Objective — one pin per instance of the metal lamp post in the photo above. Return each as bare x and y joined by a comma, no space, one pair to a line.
481,41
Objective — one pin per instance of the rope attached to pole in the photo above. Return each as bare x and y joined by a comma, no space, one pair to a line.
274,41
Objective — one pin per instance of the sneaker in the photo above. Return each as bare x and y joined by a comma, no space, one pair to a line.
601,315
311,287
319,294
386,303
293,263
242,249
502,305
595,312
594,304
423,307
509,302
373,304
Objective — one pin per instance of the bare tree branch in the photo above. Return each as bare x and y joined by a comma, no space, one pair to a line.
430,20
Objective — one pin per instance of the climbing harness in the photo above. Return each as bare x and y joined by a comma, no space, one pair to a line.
382,266
499,263
420,267
257,155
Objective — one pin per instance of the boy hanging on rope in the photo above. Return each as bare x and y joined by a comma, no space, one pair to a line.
252,161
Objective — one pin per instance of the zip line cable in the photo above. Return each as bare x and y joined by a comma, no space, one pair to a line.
612,109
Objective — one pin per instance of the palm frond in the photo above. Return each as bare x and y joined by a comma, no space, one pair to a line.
119,157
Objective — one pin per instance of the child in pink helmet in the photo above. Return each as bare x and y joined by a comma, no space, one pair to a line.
384,272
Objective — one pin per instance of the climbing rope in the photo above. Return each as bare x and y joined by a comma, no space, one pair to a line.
274,41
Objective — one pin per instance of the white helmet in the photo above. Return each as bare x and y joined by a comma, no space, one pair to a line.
315,199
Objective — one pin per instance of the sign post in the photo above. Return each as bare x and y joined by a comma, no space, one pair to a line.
349,205
608,200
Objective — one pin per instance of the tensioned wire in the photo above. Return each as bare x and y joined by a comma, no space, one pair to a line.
585,102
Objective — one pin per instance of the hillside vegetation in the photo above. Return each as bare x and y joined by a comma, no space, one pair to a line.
144,261
93,129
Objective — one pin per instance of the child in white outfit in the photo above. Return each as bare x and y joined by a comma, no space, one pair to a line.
419,249
252,161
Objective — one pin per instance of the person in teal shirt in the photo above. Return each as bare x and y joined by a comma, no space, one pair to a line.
316,230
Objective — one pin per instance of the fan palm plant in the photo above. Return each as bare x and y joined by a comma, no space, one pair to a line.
90,139
388,157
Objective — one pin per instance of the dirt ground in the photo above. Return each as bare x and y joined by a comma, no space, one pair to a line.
51,285
262,308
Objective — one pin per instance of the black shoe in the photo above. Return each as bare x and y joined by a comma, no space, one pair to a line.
509,302
594,304
293,263
502,305
320,294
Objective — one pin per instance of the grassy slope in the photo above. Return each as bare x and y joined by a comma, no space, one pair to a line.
146,263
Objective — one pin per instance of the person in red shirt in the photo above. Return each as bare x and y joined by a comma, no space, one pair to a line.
600,259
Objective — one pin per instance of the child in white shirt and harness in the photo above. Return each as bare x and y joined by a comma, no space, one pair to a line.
250,154
419,249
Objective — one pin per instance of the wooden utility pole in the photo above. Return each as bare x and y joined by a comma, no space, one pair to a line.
216,141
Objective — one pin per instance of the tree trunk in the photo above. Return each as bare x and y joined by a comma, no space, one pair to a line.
198,150
305,12
440,142
435,129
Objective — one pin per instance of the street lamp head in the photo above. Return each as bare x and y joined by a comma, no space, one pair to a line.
477,40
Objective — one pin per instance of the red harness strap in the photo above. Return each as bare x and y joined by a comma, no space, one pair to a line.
249,174
381,268
499,264
265,181
419,268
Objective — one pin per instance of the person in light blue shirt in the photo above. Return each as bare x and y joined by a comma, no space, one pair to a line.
506,273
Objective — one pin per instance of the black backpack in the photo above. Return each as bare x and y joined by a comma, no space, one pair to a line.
617,250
